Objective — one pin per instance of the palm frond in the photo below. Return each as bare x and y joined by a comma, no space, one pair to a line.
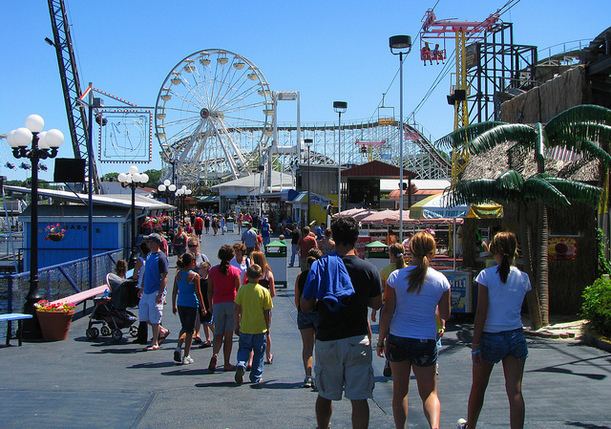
519,133
539,188
594,151
577,191
460,137
582,113
572,134
474,192
510,181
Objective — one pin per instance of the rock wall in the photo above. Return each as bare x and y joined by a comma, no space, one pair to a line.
542,103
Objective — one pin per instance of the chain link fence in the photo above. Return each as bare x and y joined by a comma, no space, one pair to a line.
55,282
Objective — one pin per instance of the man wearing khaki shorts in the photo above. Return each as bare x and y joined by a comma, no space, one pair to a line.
343,348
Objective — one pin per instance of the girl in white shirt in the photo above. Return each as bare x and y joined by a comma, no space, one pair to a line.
408,319
497,333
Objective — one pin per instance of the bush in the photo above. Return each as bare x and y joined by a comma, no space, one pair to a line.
596,306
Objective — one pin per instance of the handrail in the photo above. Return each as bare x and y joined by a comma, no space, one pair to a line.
57,266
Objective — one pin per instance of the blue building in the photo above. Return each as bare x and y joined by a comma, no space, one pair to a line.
68,215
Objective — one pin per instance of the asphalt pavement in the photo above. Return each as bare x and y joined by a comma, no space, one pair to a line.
99,383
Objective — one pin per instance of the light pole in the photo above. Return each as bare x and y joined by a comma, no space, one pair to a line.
133,179
308,143
44,144
400,45
339,107
181,194
167,189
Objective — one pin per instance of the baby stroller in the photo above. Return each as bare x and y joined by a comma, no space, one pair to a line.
111,312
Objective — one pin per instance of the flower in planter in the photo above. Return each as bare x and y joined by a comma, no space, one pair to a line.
47,307
55,232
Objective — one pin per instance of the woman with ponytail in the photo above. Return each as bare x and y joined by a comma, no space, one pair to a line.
223,284
408,330
497,331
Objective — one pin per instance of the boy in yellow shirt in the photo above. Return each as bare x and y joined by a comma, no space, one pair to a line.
252,315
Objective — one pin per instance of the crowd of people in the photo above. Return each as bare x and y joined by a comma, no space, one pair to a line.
334,293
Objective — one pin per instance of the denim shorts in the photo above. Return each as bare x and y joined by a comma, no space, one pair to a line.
417,352
498,345
307,320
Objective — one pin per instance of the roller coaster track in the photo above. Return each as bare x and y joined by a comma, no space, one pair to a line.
71,86
420,155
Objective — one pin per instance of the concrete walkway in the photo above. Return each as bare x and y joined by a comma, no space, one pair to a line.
82,383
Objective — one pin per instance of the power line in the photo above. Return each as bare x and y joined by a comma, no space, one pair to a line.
418,36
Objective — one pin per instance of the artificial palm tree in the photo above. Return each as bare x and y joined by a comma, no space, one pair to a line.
585,129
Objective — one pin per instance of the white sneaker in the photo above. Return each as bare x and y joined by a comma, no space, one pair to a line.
187,360
461,424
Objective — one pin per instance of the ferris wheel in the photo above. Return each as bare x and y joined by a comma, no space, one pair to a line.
213,112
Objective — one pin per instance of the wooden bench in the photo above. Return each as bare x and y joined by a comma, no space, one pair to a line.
77,298
10,318
83,296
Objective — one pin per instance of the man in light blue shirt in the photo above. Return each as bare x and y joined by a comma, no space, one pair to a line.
249,238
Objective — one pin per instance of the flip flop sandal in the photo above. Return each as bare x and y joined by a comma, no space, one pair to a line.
163,337
151,348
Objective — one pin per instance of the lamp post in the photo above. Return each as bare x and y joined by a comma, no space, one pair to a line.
181,194
400,45
44,144
308,143
133,179
339,107
166,189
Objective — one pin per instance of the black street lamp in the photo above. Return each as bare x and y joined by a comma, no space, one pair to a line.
339,107
308,143
133,179
181,194
400,45
166,189
44,144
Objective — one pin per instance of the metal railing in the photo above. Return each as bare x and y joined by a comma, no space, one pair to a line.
56,281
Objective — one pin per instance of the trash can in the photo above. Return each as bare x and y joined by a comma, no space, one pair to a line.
275,253
230,224
377,254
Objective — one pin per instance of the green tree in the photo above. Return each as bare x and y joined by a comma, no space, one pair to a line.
110,177
154,177
585,129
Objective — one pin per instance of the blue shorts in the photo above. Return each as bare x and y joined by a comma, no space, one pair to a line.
307,320
498,345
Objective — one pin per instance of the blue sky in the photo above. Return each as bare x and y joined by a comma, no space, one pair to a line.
326,50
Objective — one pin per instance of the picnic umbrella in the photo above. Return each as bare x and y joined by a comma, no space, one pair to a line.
350,212
380,216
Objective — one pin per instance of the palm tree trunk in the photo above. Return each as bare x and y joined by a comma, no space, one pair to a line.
526,242
542,275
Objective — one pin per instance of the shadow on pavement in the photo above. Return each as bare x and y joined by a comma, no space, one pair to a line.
217,384
152,365
557,370
585,425
116,351
272,384
200,371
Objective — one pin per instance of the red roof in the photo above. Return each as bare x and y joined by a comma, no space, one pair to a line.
376,169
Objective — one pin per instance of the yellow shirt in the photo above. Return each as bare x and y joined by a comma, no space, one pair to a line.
386,272
254,299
